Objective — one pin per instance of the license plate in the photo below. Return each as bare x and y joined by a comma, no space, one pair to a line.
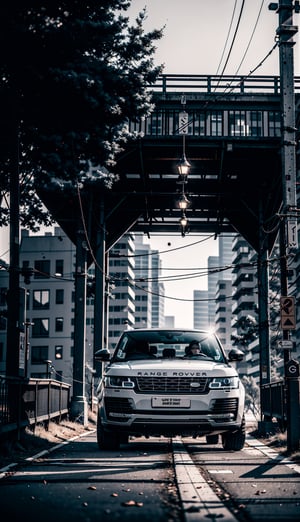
170,402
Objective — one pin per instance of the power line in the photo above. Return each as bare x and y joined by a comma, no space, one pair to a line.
251,37
234,37
227,37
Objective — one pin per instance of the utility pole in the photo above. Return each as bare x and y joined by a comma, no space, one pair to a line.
13,299
288,229
100,283
79,406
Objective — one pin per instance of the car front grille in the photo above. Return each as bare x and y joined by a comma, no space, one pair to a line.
192,385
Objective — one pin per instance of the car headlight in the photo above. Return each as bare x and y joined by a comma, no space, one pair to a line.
224,382
114,381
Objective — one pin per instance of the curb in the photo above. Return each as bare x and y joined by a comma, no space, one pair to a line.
196,495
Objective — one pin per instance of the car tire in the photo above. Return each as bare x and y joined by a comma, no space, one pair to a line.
107,440
212,439
234,441
124,438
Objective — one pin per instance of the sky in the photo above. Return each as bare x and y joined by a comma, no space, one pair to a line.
202,37
198,35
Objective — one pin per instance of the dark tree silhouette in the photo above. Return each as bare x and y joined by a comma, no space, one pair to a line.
72,73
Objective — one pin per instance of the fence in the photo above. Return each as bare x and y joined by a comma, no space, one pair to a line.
221,85
28,402
273,401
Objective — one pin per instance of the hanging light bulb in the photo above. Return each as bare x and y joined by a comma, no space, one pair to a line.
183,166
183,202
183,220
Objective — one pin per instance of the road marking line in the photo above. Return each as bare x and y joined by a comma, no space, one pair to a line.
220,471
272,454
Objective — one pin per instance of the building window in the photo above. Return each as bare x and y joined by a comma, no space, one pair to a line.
40,327
42,269
274,123
58,352
216,123
2,321
3,296
59,296
41,300
59,324
39,354
237,123
59,267
255,123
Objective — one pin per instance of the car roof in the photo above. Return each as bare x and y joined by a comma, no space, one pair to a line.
166,329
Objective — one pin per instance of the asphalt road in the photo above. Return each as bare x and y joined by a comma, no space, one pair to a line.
255,484
152,480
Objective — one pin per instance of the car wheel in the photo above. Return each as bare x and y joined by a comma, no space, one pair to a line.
212,439
124,438
107,440
235,441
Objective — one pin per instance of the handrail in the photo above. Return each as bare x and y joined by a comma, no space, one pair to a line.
26,402
217,84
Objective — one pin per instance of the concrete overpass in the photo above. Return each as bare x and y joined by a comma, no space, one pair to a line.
232,137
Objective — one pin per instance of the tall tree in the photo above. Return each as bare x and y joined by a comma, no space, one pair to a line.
72,73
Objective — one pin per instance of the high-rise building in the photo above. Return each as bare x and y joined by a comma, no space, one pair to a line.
122,293
143,284
223,312
50,305
208,310
158,292
213,264
201,320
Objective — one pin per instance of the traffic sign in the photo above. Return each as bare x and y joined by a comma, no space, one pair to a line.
287,313
183,123
285,345
292,368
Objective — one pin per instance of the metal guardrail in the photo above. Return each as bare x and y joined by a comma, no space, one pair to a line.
25,402
222,85
273,400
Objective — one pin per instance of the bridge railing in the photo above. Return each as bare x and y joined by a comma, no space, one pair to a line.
215,84
28,402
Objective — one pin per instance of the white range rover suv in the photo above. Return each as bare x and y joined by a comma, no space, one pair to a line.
154,386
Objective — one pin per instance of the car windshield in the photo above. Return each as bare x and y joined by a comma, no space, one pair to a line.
162,344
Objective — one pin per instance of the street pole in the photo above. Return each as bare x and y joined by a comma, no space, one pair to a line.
100,284
13,298
288,229
263,298
79,406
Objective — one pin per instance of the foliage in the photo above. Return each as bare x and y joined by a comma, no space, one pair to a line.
72,73
248,331
252,395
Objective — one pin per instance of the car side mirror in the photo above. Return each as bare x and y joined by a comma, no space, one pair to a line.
102,355
235,355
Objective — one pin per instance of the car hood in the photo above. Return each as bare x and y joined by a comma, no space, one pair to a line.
171,368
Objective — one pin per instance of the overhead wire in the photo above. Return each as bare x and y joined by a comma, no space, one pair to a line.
251,37
227,37
234,37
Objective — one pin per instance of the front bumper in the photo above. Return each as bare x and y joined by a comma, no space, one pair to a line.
214,413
